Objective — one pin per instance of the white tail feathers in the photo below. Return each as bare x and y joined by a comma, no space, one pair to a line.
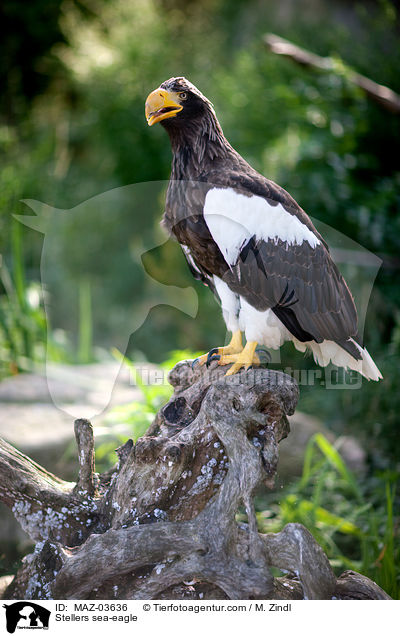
369,368
328,351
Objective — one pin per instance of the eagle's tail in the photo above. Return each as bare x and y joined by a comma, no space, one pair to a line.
329,351
368,367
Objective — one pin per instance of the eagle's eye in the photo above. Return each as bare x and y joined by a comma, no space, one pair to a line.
182,96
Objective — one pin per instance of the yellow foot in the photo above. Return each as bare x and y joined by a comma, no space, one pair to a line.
235,346
244,359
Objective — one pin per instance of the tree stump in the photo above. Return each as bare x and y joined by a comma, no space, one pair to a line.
162,522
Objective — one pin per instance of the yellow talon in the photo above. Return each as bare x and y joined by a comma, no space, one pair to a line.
234,346
234,353
246,358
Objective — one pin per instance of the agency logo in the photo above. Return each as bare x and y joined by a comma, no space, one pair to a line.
26,615
88,265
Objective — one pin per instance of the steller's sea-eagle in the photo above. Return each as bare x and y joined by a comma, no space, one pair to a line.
251,243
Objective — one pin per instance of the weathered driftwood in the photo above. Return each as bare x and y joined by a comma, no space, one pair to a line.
162,522
381,94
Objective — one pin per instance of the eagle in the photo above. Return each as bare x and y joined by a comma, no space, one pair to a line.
248,240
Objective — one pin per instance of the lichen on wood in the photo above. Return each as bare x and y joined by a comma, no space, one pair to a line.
162,523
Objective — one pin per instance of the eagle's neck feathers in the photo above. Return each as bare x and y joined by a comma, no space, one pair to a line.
198,143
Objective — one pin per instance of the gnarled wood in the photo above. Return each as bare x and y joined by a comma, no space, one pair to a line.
166,513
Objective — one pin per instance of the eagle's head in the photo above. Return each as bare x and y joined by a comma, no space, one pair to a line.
177,103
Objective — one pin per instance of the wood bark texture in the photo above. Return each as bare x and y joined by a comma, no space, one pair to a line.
162,523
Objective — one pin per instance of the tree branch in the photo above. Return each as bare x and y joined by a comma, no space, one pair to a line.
383,95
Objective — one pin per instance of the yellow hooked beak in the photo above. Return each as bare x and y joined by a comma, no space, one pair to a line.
161,105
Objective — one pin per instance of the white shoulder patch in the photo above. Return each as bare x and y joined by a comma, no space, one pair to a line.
233,218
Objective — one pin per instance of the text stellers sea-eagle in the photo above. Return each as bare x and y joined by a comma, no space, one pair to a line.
252,244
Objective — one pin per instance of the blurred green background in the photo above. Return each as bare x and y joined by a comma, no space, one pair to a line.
75,75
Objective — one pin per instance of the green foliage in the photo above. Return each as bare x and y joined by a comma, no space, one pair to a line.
23,326
28,33
356,522
26,338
